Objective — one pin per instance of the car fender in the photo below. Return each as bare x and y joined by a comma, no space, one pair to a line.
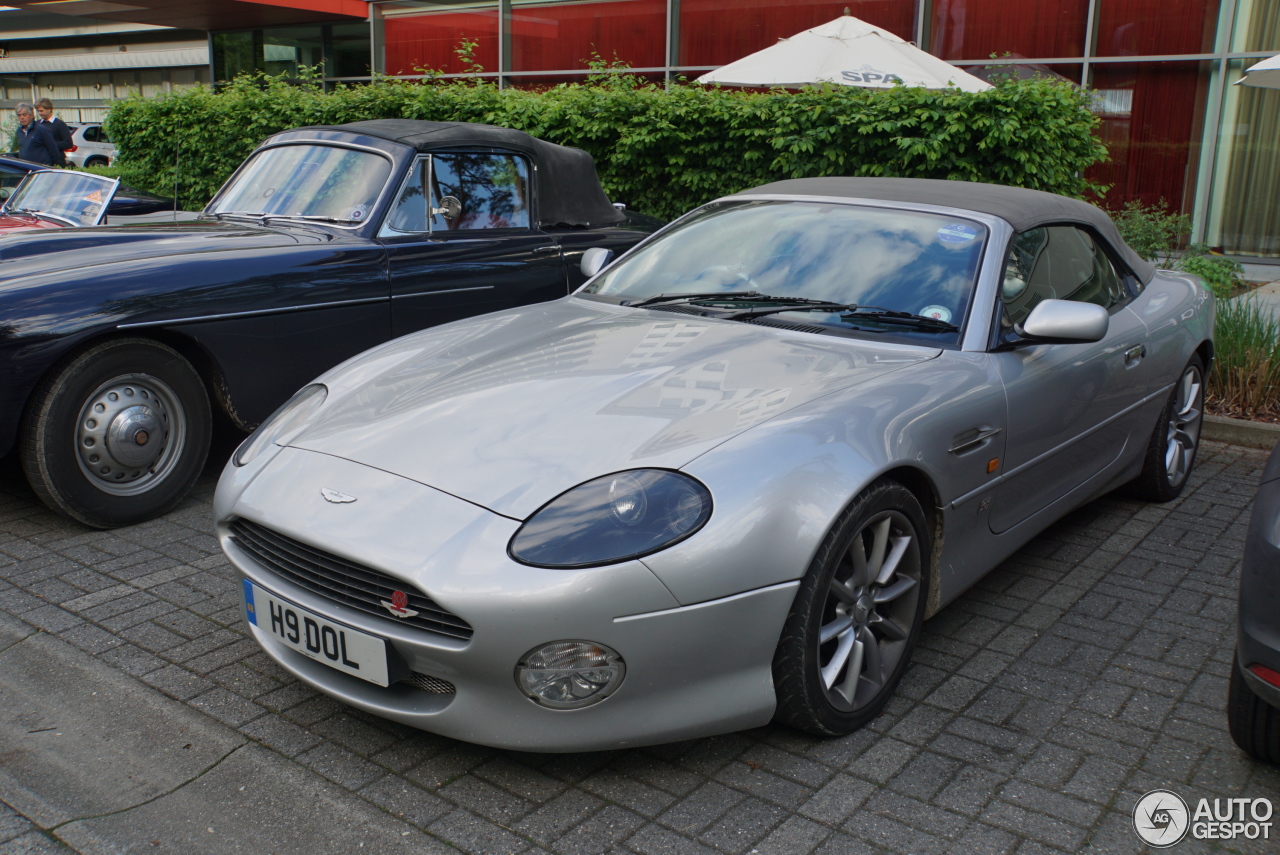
778,488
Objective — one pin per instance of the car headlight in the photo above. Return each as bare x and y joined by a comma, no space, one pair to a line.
565,675
615,518
283,421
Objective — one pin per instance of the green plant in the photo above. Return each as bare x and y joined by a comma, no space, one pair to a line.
1152,231
660,151
1221,274
1245,377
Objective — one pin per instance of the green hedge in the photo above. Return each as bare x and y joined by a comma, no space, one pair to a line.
660,151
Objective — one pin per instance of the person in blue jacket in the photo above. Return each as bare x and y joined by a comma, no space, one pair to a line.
35,142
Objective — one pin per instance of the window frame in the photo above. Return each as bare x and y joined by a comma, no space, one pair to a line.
1129,281
386,230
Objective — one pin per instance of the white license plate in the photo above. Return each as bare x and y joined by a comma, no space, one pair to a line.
348,650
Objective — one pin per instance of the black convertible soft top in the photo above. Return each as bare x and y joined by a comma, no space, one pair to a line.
568,189
1019,207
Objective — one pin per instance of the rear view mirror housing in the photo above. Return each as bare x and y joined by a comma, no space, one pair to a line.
1064,322
594,260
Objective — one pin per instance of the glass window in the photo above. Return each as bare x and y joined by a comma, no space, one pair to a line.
76,198
491,189
717,32
1257,26
1245,219
1153,27
430,42
320,181
564,36
1057,263
903,261
10,178
980,29
1152,118
91,133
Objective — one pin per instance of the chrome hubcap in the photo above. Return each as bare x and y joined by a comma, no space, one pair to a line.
869,611
1183,431
130,434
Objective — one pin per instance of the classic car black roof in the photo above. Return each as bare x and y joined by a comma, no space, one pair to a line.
1019,207
569,191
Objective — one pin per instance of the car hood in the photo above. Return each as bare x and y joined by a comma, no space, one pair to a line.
42,251
531,402
19,223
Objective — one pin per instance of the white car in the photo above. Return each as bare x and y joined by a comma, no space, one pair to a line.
92,146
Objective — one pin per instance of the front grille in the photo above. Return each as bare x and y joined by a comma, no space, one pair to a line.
343,581
429,684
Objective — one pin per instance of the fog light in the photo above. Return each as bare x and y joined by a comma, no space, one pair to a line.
566,675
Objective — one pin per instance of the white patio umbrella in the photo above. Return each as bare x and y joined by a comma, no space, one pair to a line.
847,51
1265,74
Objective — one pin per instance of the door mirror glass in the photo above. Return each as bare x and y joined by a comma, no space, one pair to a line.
1064,322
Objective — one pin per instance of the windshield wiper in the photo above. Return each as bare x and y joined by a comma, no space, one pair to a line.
317,217
893,316
689,298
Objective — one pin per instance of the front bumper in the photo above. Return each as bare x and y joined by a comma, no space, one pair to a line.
1259,610
690,670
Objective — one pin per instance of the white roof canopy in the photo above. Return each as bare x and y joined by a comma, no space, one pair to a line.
846,51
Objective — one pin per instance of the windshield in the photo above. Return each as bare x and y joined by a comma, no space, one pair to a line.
77,198
903,261
318,181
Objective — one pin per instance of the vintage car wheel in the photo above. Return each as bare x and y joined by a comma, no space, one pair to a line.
117,434
856,616
1172,450
1254,724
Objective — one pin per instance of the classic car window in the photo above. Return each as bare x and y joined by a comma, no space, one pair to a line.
1058,263
492,190
77,198
905,261
10,178
319,181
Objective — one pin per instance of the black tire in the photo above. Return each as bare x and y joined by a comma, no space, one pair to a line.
117,433
883,615
1254,724
1171,451
96,161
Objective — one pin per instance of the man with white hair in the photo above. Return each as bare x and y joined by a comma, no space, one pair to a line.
35,142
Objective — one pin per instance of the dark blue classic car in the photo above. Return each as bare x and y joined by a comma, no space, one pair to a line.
118,344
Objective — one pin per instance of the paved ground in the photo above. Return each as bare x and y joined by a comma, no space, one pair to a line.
1085,671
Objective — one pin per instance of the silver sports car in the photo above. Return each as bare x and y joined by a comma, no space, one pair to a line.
728,479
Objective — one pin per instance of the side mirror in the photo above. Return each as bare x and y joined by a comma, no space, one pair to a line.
450,208
594,260
1065,322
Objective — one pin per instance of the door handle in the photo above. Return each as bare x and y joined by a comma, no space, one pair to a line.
1134,355
554,248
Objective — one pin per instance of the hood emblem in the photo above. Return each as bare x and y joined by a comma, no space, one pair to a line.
399,605
336,497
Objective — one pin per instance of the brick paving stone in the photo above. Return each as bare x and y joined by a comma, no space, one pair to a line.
405,800
1087,669
602,830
